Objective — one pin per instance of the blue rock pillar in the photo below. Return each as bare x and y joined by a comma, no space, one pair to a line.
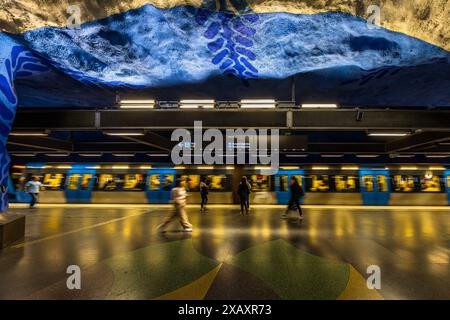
8,105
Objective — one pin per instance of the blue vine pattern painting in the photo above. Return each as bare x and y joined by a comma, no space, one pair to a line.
19,64
231,38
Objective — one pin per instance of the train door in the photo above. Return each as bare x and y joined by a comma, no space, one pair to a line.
447,184
282,181
159,185
375,187
79,185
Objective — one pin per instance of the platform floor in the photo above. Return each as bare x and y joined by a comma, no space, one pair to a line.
122,256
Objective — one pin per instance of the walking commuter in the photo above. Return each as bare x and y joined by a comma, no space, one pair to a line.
204,194
244,190
178,197
296,194
33,187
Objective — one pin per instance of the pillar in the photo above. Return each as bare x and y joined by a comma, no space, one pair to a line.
15,61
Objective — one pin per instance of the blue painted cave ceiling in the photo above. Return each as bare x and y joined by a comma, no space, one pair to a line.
227,50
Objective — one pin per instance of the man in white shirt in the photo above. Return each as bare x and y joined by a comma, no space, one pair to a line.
178,196
33,187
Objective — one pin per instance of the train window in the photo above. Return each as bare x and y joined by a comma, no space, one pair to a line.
54,181
134,182
346,183
167,182
192,182
260,183
382,183
283,183
85,181
218,182
403,183
73,181
154,182
319,183
368,183
430,184
110,182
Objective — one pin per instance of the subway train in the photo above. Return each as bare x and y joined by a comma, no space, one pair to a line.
148,184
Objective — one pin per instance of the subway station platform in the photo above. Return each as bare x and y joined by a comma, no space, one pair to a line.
227,256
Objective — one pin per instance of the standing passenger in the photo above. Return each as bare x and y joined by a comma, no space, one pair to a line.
244,195
178,196
203,194
296,194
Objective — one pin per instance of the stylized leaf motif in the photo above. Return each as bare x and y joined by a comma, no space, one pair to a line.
232,37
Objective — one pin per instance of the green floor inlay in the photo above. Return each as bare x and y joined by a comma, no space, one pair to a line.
294,274
157,269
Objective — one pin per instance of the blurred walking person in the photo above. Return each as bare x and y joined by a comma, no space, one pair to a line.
204,194
33,187
244,190
178,197
294,201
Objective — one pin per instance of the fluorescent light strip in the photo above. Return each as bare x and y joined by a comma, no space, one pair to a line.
125,133
409,168
94,167
205,168
195,106
437,168
349,168
332,155
258,104
24,154
319,106
145,167
200,102
64,167
123,154
91,154
367,156
141,106
296,155
57,154
405,156
157,154
151,101
320,168
120,167
29,134
258,101
431,156
388,134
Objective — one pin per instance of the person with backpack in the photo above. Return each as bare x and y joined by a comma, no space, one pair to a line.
244,190
294,201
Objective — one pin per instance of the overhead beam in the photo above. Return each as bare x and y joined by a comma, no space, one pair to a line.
41,143
346,148
341,119
112,147
152,139
417,140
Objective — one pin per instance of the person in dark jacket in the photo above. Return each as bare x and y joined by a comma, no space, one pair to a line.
204,193
296,194
244,195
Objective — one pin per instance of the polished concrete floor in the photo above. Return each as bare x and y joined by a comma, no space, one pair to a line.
326,256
